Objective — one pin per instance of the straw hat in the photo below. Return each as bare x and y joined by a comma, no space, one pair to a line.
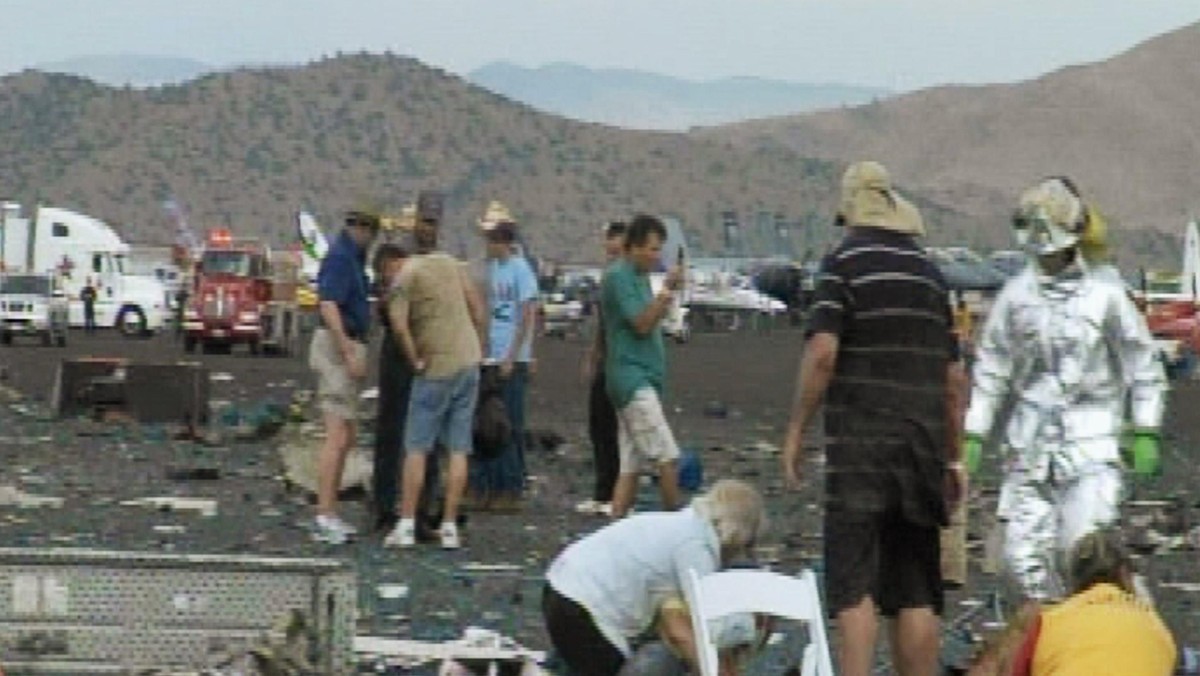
495,214
869,200
406,220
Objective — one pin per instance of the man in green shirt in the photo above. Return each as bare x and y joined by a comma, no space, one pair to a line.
635,363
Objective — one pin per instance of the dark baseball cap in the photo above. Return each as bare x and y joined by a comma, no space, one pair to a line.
362,218
430,206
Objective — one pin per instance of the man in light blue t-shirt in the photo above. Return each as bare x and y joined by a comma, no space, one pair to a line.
512,293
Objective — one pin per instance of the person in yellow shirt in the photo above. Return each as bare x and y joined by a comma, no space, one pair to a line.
1103,628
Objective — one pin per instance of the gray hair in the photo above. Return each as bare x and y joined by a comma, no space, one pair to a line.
735,509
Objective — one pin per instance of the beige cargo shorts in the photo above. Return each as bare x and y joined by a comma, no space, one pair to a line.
337,392
644,434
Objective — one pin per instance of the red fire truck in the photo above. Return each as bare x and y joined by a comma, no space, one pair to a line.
242,293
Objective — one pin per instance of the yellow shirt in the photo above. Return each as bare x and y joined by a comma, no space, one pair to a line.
1103,632
963,323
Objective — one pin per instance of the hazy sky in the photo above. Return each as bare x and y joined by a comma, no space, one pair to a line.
892,43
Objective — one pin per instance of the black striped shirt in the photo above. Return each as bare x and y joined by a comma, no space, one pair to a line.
885,420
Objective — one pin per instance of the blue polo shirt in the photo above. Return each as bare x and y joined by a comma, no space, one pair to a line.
342,279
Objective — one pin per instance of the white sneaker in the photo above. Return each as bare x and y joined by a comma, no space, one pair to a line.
594,507
587,507
404,535
346,528
450,539
332,530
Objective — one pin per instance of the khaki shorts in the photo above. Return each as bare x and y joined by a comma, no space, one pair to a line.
337,392
643,432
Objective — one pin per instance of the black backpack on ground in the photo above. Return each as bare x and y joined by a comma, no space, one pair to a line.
493,429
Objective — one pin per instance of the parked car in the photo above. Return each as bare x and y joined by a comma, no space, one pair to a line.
560,316
33,305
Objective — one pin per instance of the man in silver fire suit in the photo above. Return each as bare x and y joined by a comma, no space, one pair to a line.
1064,352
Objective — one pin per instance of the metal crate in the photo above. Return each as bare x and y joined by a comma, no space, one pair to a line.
85,611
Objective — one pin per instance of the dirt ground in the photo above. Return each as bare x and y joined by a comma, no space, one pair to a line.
727,398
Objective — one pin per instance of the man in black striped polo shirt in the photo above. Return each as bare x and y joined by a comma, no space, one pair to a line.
882,353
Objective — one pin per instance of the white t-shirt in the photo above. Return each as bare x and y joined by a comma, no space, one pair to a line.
623,572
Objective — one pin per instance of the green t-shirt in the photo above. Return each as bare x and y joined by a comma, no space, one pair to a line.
631,361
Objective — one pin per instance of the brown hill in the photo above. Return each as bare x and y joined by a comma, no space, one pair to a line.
246,149
1126,129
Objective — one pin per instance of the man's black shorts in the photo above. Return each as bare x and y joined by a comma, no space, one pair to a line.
879,554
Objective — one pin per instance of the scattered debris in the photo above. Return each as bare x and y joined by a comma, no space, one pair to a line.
1147,541
476,644
716,409
204,506
475,567
284,651
392,591
764,448
221,377
769,555
9,395
300,450
253,422
546,441
194,473
11,496
1143,504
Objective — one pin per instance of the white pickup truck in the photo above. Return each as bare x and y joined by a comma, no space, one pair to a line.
33,305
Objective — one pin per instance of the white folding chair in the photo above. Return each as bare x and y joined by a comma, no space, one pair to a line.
763,592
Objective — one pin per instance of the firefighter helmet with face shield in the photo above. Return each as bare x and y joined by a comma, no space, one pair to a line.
1051,218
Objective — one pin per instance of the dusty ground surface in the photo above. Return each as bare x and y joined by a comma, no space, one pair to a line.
750,375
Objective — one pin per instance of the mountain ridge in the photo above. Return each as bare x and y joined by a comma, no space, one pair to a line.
640,99
1123,128
135,70
248,147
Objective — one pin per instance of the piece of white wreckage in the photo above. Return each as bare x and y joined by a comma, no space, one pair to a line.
12,496
476,645
203,506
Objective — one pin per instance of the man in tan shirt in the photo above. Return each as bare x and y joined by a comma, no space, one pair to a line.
438,314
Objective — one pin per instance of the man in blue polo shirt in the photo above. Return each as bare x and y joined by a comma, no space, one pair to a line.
338,355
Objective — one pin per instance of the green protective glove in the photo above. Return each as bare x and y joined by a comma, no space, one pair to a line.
1145,454
972,452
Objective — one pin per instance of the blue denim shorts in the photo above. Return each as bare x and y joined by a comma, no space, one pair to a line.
442,409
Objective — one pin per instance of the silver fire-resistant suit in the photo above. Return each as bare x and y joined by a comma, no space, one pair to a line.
1067,353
